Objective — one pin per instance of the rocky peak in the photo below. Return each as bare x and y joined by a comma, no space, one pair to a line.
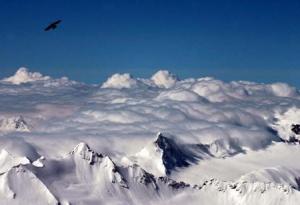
84,151
172,154
296,128
14,124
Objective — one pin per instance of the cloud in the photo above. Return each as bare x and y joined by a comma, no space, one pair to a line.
179,95
283,90
217,90
229,120
24,76
164,79
230,116
119,81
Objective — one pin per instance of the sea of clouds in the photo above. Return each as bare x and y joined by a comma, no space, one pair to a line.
231,117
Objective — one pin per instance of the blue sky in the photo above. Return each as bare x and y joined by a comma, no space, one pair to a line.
230,40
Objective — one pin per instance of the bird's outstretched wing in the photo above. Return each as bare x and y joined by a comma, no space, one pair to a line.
56,22
48,27
53,25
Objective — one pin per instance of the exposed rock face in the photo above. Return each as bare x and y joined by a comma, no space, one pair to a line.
172,155
296,128
287,125
163,155
84,151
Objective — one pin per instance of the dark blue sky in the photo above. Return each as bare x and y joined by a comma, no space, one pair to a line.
230,40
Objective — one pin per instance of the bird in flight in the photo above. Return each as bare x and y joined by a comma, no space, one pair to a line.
52,26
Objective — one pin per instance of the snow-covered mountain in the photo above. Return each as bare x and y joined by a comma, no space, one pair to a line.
160,140
85,176
14,124
287,125
19,185
163,155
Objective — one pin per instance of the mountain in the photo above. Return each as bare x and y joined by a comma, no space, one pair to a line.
20,185
14,124
7,161
87,177
96,168
93,176
163,155
287,125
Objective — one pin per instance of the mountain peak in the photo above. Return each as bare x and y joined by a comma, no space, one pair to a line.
21,124
173,155
163,155
163,142
18,184
81,147
7,160
91,166
14,124
85,152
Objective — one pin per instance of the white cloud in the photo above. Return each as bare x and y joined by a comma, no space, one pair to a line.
236,124
24,76
164,79
218,91
119,81
283,90
179,95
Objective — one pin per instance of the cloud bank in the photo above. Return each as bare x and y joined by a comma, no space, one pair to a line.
206,119
24,76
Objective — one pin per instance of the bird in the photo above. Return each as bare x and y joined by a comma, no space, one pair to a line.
52,25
